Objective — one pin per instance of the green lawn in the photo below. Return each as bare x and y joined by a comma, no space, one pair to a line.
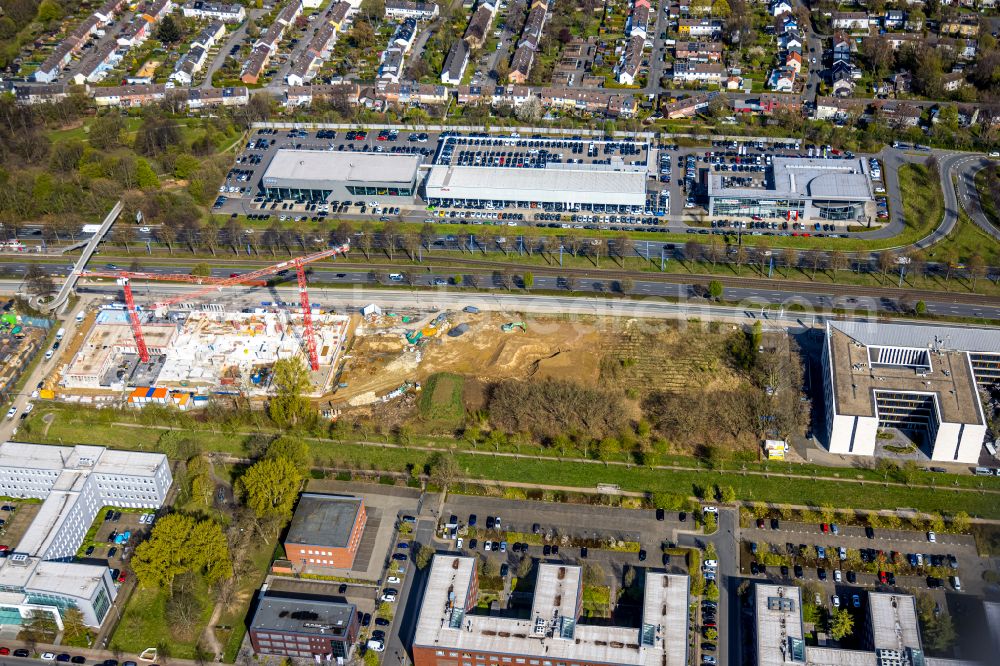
966,240
923,202
988,204
441,403
144,624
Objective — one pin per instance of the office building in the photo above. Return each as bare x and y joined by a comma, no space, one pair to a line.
913,378
449,634
325,531
74,484
795,188
318,628
321,175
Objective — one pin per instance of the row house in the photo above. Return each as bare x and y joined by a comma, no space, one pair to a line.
290,13
391,67
74,42
897,114
211,34
631,61
188,65
28,95
339,15
589,101
455,63
306,95
701,28
96,66
61,56
479,25
531,36
843,46
156,10
215,11
411,93
135,33
253,66
520,64
698,51
130,96
688,107
696,72
894,19
839,108
638,22
404,9
198,98
851,21
107,12
769,103
404,35
313,57
779,8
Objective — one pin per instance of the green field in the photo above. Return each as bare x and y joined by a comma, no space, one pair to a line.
441,405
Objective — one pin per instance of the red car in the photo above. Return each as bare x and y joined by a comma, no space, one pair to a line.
882,578
4,650
825,528
760,523
121,577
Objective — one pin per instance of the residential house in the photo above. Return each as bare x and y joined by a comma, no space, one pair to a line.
338,15
953,81
61,56
216,11
479,25
391,67
135,33
106,13
791,41
897,40
638,22
96,66
914,23
520,64
695,72
842,46
188,65
289,13
29,95
130,96
403,9
156,9
455,63
199,98
254,65
894,19
779,7
631,61
689,106
902,82
851,21
404,35
212,33
708,28
781,79
836,108
316,52
768,103
698,51
793,61
842,85
897,114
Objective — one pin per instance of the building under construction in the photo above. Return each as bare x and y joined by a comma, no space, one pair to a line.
204,351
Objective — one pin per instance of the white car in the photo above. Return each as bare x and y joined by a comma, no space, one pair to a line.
48,656
393,580
711,564
27,408
837,576
994,154
144,230
389,596
376,645
711,509
836,601
11,412
932,537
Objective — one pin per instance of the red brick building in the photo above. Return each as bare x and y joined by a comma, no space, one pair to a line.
290,626
326,531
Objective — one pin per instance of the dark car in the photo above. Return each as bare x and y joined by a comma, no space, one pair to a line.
401,557
378,635
583,552
753,568
852,577
933,582
642,555
402,546
784,570
546,550
473,543
117,517
760,523
21,652
682,516
112,552
775,524
109,514
89,551
798,571
869,532
536,528
821,572
660,514
708,647
62,657
78,659
382,622
472,520
504,570
366,619
490,523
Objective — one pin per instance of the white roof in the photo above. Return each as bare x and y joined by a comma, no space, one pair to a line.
922,336
576,183
893,621
778,610
552,631
806,177
96,459
338,165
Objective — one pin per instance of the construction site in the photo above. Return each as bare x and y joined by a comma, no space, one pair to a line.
200,350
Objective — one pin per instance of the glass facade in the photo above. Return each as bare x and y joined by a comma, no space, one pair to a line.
380,191
986,368
10,616
102,604
558,207
746,206
288,193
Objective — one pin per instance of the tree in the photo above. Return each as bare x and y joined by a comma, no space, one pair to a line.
168,32
976,268
841,624
38,282
721,9
936,627
711,591
107,132
670,501
443,469
75,631
920,308
40,627
145,175
727,494
886,262
201,269
790,257
879,55
961,523
715,289
184,607
626,285
270,486
423,556
838,262
178,544
289,407
528,279
292,449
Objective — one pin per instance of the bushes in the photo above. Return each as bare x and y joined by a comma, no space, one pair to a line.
550,408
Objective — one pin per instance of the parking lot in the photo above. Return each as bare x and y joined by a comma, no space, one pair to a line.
851,560
117,531
15,517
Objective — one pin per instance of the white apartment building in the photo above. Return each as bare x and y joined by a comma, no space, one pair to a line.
74,484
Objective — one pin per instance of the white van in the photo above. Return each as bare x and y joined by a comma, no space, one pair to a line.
396,277
956,583
60,333
79,317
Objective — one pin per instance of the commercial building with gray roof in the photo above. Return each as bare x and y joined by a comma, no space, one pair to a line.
294,625
916,379
796,189
326,530
321,175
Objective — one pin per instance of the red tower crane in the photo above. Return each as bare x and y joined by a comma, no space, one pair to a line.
210,284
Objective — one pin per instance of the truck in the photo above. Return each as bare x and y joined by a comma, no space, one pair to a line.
60,333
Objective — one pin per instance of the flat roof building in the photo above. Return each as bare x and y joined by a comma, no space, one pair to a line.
325,531
75,484
904,377
290,625
796,189
447,632
322,175
891,636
